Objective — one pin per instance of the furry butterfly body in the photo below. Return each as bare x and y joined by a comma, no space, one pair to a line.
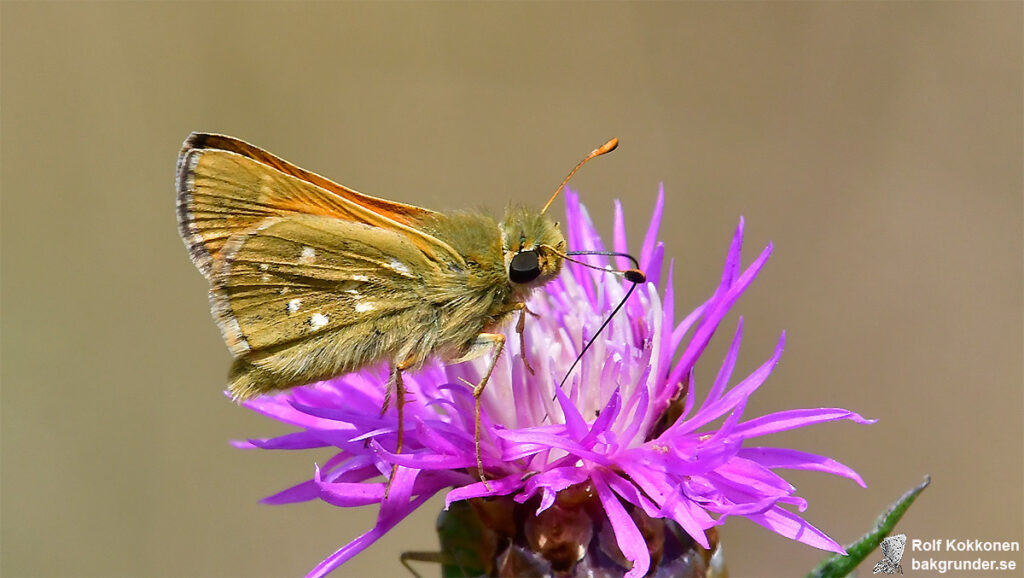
310,279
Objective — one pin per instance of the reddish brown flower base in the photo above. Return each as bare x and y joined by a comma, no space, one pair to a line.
500,537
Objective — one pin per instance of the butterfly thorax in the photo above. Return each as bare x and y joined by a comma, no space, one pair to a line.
482,295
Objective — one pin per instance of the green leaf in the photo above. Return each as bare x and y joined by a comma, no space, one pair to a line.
837,565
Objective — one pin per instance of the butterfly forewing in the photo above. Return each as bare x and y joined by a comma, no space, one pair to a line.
399,212
226,192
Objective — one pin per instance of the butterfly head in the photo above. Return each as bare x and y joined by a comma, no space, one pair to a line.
532,245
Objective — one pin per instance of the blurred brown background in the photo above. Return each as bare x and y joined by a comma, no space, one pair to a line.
878,145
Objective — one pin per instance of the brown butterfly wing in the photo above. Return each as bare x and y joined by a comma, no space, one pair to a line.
227,187
306,297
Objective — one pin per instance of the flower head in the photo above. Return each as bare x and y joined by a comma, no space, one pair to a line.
625,425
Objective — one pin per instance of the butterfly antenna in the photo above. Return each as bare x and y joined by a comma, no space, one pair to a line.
605,148
596,335
634,276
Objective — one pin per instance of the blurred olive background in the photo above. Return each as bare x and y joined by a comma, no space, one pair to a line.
878,145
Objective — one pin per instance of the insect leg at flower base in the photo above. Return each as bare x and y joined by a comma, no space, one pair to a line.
496,343
520,328
395,383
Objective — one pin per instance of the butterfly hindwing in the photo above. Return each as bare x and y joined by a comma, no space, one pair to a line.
303,275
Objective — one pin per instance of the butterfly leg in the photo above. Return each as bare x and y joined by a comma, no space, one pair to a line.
520,328
396,383
496,342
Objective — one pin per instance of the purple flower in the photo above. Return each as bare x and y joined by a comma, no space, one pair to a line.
604,428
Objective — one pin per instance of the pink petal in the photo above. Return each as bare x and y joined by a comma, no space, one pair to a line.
792,526
725,371
795,460
794,418
619,235
499,487
651,238
348,551
627,535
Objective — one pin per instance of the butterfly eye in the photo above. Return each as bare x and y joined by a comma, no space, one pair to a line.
525,267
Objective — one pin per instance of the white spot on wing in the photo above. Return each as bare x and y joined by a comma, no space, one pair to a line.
360,278
399,267
293,305
363,307
308,256
317,321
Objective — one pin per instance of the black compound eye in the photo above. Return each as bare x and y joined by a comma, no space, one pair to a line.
525,267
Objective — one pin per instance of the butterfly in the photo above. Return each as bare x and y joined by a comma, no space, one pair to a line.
310,279
892,552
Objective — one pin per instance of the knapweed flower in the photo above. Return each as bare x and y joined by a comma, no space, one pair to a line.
625,430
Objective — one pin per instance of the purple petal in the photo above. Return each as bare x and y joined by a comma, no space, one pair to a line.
794,418
651,238
725,372
752,479
301,440
665,349
619,235
347,495
426,460
627,535
689,516
499,487
795,460
346,552
553,481
454,441
717,311
792,526
732,259
633,495
691,396
575,425
278,408
640,406
605,420
736,395
303,492
331,415
665,492
533,437
398,495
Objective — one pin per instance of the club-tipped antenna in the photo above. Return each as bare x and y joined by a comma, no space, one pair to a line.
605,148
634,276
600,329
